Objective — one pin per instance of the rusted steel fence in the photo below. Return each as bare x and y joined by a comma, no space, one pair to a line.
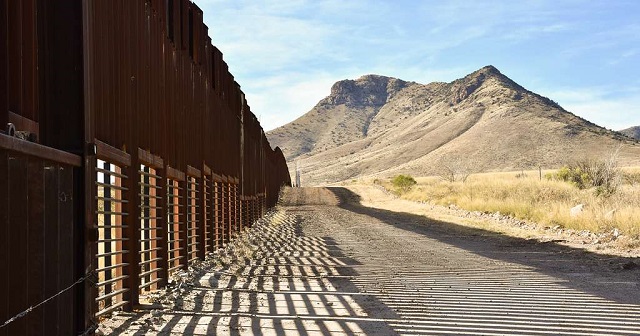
138,155
38,243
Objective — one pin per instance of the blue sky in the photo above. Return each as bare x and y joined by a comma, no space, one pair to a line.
286,54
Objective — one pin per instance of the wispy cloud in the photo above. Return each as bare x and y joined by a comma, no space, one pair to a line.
268,42
528,32
295,92
287,53
626,55
605,106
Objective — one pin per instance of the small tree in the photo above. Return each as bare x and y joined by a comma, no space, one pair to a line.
403,182
453,171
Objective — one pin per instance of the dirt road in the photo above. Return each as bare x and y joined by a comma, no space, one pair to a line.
327,264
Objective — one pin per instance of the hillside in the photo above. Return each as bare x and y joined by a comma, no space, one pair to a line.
633,132
380,126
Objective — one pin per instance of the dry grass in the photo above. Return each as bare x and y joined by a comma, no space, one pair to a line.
543,201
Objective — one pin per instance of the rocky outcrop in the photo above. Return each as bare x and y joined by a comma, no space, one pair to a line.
369,90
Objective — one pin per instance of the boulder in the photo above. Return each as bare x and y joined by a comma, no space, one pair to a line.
576,210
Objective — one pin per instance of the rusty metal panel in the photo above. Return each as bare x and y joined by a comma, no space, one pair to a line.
29,60
59,60
14,65
52,232
4,239
18,244
30,198
4,29
184,23
36,241
67,254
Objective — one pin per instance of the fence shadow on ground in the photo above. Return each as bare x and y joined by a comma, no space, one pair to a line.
300,285
522,286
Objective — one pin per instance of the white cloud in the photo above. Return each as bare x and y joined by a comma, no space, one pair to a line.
601,105
528,32
261,42
287,96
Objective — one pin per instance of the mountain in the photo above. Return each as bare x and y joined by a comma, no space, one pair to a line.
632,132
380,126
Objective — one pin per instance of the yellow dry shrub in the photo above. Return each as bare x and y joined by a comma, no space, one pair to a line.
544,201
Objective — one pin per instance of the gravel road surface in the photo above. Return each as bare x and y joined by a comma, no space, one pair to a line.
324,263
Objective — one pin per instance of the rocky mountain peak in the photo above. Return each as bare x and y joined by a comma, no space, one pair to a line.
490,71
368,90
464,87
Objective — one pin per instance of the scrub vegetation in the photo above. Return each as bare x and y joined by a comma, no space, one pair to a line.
548,201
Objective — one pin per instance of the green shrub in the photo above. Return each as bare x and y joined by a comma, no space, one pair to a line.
403,182
604,176
572,174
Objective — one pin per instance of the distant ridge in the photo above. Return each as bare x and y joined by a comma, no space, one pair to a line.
380,126
632,132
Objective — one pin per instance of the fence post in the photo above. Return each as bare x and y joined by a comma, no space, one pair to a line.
86,177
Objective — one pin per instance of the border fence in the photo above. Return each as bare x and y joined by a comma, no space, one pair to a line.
129,151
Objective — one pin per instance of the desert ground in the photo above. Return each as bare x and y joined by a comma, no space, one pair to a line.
358,261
